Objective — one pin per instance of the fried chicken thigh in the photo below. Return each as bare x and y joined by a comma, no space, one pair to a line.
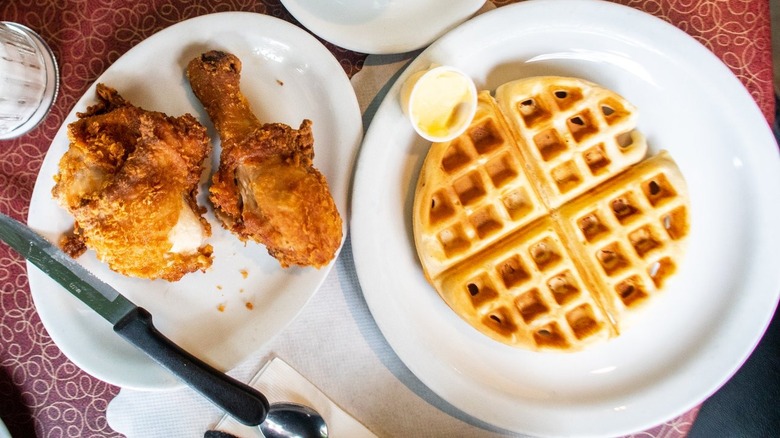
266,188
130,178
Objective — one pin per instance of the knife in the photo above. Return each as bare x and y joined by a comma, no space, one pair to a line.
134,324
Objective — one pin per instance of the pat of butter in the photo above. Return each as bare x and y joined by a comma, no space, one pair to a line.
440,102
187,235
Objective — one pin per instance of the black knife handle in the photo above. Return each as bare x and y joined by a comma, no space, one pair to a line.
241,401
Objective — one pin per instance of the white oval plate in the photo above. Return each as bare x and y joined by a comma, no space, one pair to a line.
287,76
383,26
695,335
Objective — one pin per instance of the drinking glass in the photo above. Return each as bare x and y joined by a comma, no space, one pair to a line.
29,79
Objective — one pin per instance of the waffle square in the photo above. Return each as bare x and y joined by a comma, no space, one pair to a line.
573,134
630,233
476,191
527,290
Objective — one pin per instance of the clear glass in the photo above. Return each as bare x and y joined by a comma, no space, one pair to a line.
29,79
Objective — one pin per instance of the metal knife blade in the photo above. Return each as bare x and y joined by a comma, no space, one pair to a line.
134,324
98,295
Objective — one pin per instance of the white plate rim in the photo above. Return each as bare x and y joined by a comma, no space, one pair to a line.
401,26
4,433
345,134
441,377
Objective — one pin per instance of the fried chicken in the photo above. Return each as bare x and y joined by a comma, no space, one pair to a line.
130,178
266,188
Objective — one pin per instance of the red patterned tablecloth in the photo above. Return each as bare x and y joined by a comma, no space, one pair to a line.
42,393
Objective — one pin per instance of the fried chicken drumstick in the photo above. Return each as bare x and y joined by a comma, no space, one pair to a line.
130,178
266,188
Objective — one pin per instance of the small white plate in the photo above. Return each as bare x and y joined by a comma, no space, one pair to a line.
287,76
381,26
695,335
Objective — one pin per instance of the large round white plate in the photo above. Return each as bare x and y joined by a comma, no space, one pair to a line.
695,335
384,26
287,76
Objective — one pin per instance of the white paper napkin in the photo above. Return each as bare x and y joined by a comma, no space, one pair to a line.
279,382
335,344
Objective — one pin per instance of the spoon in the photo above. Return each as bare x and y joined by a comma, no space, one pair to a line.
286,420
291,420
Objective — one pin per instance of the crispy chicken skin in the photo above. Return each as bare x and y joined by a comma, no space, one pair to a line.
130,178
266,188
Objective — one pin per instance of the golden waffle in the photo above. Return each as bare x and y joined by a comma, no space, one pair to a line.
544,272
573,134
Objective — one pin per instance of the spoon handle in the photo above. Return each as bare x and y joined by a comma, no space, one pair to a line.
238,399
